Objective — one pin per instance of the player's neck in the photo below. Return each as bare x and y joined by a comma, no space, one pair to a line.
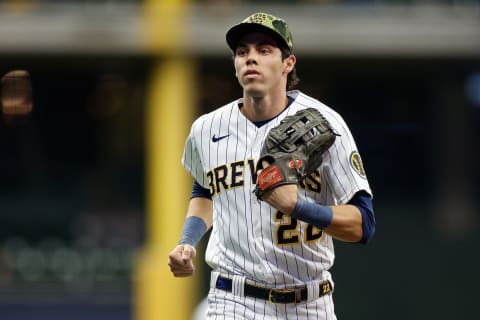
264,108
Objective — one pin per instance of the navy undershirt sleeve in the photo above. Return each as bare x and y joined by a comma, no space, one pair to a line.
363,201
200,192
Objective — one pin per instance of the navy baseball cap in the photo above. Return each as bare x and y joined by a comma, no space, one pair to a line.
261,22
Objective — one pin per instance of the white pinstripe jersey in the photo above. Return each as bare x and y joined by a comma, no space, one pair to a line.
249,237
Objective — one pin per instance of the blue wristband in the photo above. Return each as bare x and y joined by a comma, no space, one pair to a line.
313,213
193,230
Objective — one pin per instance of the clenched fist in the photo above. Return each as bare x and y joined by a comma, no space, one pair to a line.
181,260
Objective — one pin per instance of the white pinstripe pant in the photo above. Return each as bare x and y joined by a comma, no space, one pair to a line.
223,305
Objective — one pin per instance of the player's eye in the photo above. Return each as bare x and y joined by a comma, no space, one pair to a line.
265,50
241,51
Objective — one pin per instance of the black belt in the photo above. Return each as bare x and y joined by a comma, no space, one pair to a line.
274,295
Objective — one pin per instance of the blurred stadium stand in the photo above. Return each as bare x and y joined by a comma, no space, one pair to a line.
404,74
372,28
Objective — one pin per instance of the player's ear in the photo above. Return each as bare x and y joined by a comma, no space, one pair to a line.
289,63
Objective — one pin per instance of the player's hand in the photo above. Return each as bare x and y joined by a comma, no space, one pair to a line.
282,198
181,260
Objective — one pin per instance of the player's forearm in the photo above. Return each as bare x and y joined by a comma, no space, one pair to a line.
202,208
346,223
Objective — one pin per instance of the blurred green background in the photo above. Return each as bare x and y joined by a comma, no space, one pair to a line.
405,75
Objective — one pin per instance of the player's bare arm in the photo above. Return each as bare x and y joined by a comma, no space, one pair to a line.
181,259
202,208
346,224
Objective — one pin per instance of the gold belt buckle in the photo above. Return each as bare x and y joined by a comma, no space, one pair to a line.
298,295
270,296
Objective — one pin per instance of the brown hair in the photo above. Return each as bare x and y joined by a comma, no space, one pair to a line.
292,78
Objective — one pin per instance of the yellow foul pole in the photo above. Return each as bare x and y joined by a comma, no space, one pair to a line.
170,106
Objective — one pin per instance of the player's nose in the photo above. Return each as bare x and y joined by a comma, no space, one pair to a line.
251,57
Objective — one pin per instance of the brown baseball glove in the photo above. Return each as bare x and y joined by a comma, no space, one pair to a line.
294,149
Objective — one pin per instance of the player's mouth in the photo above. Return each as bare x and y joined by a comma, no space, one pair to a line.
251,74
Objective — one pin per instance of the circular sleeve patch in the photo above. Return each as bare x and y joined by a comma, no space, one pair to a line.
357,164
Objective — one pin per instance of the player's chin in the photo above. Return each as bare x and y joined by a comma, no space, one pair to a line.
254,91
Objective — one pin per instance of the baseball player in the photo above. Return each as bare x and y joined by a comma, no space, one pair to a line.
270,259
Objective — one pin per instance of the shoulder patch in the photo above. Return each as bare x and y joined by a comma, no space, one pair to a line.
357,164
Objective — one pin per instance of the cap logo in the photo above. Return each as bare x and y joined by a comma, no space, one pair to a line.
258,18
